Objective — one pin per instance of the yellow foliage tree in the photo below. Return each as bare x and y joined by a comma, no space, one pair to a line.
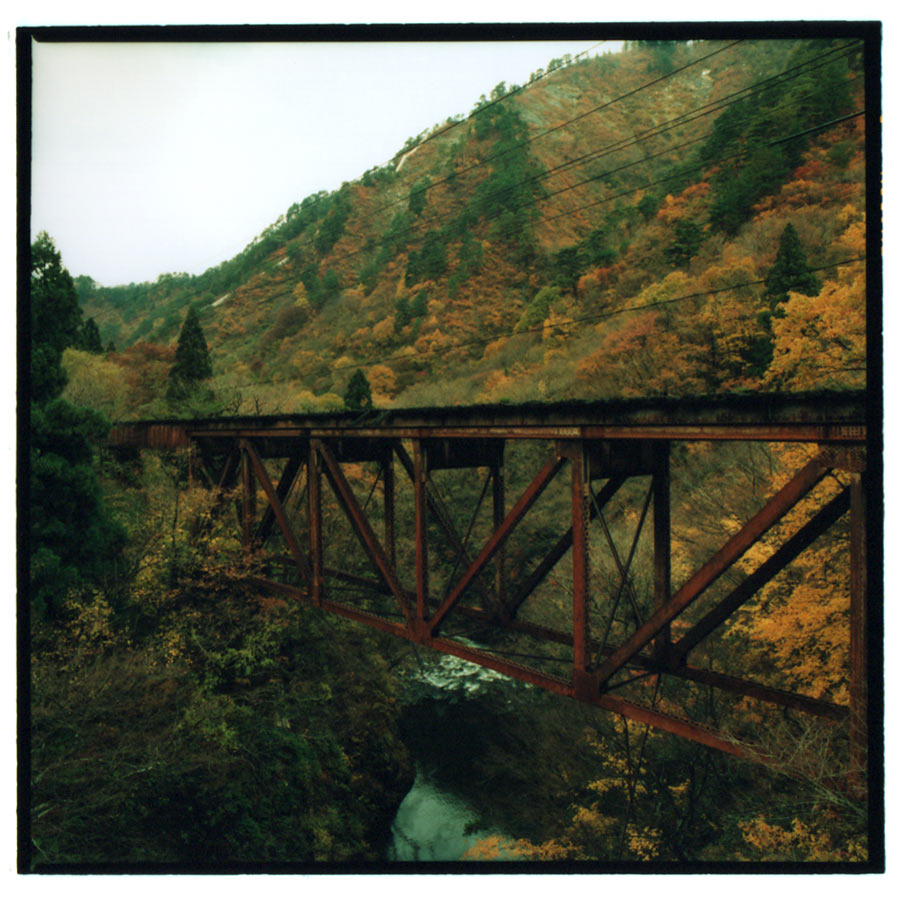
821,341
97,383
382,380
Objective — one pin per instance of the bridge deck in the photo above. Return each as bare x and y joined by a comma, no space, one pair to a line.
822,416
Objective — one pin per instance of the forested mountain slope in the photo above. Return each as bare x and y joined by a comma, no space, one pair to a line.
606,230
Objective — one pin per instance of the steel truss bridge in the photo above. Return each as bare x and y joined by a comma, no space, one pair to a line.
596,449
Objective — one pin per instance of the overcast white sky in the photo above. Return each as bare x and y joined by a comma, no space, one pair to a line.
151,158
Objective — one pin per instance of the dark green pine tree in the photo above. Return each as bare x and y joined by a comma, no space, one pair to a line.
192,365
75,543
358,395
790,271
688,238
402,313
55,318
90,337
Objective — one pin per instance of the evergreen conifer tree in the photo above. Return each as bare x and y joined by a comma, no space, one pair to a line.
74,540
192,363
358,395
90,337
688,238
790,272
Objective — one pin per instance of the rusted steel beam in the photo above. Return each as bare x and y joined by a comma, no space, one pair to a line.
782,557
742,686
858,629
348,612
285,483
498,493
229,468
797,488
746,688
420,500
434,501
581,503
692,731
504,666
275,505
248,499
559,550
390,521
314,521
361,526
800,432
515,515
662,540
813,417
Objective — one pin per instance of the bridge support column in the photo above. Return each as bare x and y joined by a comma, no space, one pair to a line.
390,527
248,499
498,484
314,505
420,488
581,518
662,541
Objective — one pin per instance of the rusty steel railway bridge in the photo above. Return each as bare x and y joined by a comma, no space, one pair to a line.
609,443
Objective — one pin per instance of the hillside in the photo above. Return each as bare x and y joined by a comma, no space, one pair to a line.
606,230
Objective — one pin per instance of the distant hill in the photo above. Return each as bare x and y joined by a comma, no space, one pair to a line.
606,230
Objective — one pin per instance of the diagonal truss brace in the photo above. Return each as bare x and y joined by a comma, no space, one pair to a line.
499,537
290,537
562,546
797,488
361,526
782,557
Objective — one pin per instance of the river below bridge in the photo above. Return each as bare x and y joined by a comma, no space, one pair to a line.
446,728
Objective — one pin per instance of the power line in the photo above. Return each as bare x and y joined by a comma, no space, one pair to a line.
530,139
432,135
596,316
601,316
698,168
593,317
483,162
685,118
568,122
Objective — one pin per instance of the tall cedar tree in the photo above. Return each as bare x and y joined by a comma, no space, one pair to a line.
789,272
90,337
74,541
359,393
192,363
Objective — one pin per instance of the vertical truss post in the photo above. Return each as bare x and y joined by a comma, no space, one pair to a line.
390,526
420,477
314,506
498,483
581,518
248,499
858,628
662,540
